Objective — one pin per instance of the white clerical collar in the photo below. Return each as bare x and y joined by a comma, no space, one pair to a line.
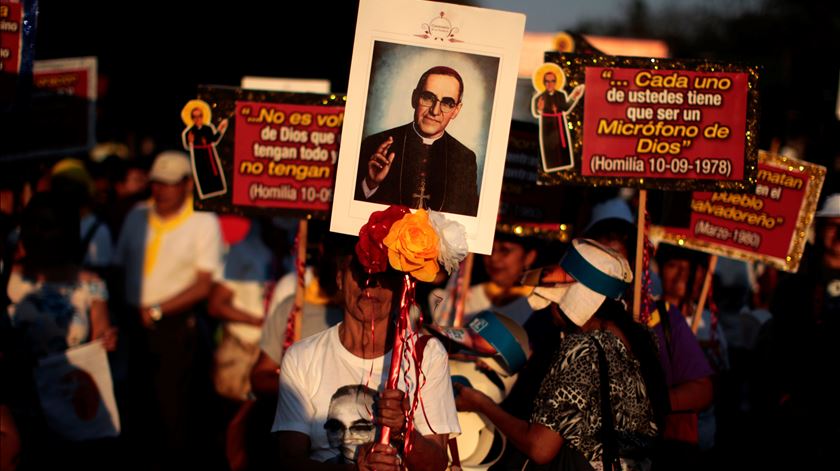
426,140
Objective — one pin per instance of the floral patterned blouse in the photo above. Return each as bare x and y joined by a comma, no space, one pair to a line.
569,401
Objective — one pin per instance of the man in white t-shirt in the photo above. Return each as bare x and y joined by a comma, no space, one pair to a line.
168,254
319,374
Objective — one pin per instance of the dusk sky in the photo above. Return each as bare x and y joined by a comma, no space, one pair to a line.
557,15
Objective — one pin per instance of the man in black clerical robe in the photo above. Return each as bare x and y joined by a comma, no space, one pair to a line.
419,164
200,140
551,107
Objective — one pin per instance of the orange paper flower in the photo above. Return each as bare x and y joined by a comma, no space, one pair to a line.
413,246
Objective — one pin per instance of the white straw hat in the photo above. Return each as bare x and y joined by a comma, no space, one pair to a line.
170,167
599,272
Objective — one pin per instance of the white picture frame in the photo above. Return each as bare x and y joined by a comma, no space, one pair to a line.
395,43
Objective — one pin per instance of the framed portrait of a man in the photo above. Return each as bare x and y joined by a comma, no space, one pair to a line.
428,114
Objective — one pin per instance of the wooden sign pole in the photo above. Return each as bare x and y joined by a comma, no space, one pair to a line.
640,252
463,287
701,303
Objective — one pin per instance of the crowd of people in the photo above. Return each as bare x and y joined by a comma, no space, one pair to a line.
214,364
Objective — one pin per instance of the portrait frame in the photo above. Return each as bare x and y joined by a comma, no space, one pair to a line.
411,37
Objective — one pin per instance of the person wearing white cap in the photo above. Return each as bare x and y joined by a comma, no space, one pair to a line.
168,254
567,424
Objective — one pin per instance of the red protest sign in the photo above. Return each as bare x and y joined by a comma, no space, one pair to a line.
768,225
11,36
285,155
657,123
277,151
664,123
68,82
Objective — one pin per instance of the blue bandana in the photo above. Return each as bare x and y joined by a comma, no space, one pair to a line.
590,276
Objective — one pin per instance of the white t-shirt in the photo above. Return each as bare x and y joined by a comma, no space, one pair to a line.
286,286
247,297
314,318
195,245
245,272
315,368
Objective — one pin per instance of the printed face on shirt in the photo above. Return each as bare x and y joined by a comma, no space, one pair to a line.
437,93
350,419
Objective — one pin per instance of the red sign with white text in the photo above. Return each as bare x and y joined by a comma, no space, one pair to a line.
11,34
285,155
767,225
67,83
673,124
11,52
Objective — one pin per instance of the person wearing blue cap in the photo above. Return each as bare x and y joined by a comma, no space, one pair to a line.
687,372
574,419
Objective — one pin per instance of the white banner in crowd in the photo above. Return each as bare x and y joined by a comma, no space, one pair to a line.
77,393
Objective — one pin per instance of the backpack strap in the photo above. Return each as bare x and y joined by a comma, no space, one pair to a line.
608,439
665,320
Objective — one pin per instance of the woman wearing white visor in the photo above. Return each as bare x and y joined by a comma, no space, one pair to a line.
601,344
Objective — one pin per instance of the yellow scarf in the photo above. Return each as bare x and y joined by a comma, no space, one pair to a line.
160,227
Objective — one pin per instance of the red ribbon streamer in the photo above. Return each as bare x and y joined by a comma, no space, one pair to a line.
403,352
406,299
